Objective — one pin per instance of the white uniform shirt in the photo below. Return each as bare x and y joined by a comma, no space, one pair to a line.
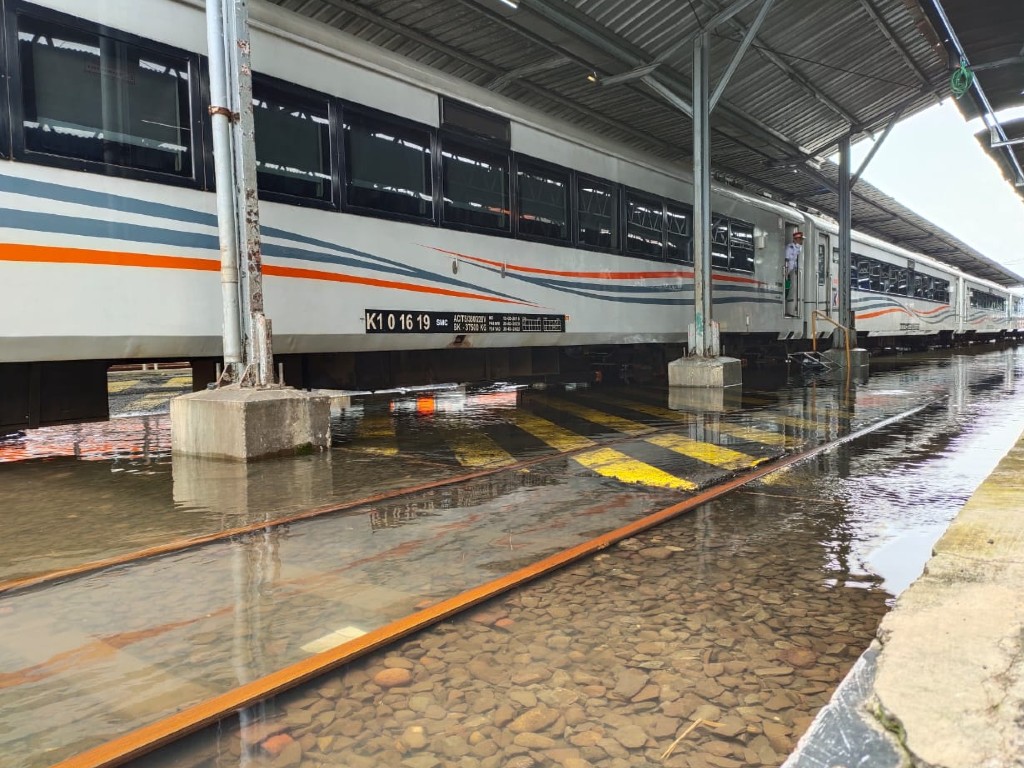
793,251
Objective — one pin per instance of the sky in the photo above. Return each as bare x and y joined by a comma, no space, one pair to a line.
932,164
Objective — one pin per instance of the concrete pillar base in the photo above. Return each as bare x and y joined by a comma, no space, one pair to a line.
244,424
705,372
859,357
705,399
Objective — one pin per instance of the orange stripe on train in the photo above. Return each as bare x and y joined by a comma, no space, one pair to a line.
44,254
54,255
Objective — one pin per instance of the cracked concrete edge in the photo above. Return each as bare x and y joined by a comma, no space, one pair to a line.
846,731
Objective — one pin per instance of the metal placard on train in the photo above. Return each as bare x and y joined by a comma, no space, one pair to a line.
399,321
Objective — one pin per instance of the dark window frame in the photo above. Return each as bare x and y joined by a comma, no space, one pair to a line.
347,107
570,175
688,210
470,142
334,140
20,153
625,194
620,203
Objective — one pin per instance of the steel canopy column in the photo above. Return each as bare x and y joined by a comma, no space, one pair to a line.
237,202
845,224
704,340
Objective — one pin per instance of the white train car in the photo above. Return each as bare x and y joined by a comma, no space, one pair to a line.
414,227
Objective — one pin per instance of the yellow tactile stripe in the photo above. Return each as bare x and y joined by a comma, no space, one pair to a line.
705,452
475,449
650,410
606,462
611,463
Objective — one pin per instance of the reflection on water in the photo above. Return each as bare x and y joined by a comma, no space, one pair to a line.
99,655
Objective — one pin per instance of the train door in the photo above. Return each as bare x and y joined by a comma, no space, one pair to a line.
792,281
827,277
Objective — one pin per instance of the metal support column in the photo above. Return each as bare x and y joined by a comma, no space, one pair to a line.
248,354
845,224
704,343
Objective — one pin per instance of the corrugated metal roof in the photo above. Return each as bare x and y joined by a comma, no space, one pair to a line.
815,72
991,36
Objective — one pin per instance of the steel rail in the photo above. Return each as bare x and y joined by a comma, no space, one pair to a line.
149,738
179,545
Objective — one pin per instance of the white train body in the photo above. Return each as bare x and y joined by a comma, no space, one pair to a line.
118,266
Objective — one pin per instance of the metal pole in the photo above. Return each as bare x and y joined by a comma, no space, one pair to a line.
223,171
845,223
259,354
702,344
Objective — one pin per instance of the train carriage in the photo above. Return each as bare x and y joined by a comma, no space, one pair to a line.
409,219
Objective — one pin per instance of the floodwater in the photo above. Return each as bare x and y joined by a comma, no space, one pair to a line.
708,642
814,552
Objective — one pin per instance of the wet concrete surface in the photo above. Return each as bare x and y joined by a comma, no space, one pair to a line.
172,631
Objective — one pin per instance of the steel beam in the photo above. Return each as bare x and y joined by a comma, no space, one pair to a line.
702,344
544,65
976,85
738,56
790,72
998,64
886,30
876,146
845,255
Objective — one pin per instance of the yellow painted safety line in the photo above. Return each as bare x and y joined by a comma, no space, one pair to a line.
611,463
376,434
152,400
650,410
744,433
606,462
557,437
708,453
475,449
762,436
599,417
178,382
120,386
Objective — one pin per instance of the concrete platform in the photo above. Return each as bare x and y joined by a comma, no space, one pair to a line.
947,688
246,424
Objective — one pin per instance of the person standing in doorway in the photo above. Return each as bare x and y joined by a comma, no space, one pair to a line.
793,253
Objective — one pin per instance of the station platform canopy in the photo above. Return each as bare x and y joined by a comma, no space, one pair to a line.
990,38
814,72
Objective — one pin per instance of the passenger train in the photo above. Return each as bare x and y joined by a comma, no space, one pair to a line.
414,227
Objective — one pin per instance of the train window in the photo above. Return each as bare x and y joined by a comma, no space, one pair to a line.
474,182
101,99
720,243
293,143
645,230
597,213
920,282
741,246
678,241
543,195
387,166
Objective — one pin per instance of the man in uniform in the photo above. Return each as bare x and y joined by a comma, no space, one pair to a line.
793,252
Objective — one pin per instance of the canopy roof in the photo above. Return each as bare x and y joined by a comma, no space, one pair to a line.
814,73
